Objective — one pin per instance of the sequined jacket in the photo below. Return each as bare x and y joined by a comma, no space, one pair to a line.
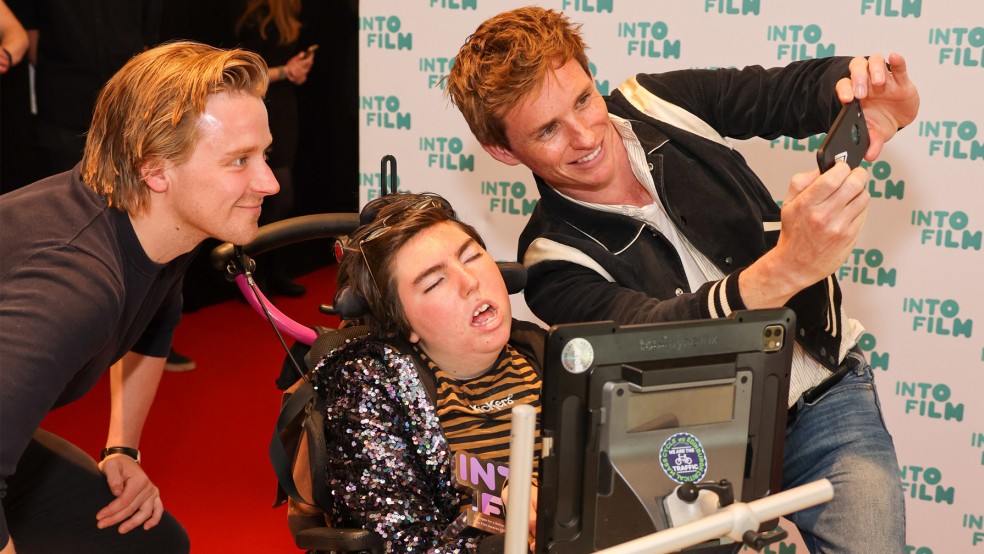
389,464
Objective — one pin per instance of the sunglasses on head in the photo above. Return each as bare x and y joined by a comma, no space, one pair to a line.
427,201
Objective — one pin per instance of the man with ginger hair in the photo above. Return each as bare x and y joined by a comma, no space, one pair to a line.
648,214
91,264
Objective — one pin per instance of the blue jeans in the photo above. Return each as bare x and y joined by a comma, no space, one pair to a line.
842,437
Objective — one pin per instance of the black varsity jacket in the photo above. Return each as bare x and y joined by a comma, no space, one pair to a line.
588,265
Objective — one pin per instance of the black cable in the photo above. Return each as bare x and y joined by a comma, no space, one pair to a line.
244,261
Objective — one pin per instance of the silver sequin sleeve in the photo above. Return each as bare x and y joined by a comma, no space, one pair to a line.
389,464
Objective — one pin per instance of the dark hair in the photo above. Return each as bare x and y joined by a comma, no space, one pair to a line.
367,264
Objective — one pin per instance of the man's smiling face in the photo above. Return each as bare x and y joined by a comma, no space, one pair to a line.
562,132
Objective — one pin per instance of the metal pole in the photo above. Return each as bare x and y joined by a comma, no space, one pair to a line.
732,521
521,441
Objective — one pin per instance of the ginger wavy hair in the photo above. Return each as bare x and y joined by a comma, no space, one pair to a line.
148,113
504,60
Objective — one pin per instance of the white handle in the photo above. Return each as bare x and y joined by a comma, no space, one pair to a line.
521,441
732,521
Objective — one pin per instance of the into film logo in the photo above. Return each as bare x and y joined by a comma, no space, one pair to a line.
799,42
446,153
435,69
876,359
808,144
974,522
508,197
384,111
959,46
937,317
648,39
977,441
892,8
733,7
881,184
929,401
602,85
923,483
454,4
864,267
587,6
384,32
946,229
371,182
952,139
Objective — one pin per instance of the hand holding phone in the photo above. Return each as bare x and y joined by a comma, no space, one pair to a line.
847,141
310,50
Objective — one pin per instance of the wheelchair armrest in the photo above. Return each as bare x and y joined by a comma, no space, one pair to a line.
330,539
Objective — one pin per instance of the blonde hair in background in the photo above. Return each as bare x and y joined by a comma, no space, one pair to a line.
282,13
504,60
147,113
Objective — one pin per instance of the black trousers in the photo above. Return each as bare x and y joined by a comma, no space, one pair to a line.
52,500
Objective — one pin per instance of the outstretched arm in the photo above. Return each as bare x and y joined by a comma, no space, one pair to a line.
888,97
823,214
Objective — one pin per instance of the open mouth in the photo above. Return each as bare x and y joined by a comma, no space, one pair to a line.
483,315
590,156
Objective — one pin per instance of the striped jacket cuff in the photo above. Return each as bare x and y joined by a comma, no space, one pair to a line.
723,297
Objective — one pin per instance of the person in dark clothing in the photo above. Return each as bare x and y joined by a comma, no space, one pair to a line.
648,214
272,29
91,264
76,46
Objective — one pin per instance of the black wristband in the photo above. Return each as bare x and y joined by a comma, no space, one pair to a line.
131,452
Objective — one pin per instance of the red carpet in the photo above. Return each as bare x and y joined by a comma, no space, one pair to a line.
205,442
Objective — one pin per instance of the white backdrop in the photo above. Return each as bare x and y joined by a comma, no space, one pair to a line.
915,277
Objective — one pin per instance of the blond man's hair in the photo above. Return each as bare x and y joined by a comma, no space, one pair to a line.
148,113
506,59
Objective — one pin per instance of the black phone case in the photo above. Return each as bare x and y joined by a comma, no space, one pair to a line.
847,140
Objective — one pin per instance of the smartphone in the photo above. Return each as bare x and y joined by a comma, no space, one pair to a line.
310,50
847,140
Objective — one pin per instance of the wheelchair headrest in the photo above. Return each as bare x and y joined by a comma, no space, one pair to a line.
374,206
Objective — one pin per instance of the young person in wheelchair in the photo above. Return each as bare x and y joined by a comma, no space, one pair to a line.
436,377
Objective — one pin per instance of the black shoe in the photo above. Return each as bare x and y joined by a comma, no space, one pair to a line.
178,363
284,286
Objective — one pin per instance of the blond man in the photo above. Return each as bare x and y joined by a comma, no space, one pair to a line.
91,264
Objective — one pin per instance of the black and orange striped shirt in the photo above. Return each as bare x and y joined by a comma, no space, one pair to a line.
475,414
